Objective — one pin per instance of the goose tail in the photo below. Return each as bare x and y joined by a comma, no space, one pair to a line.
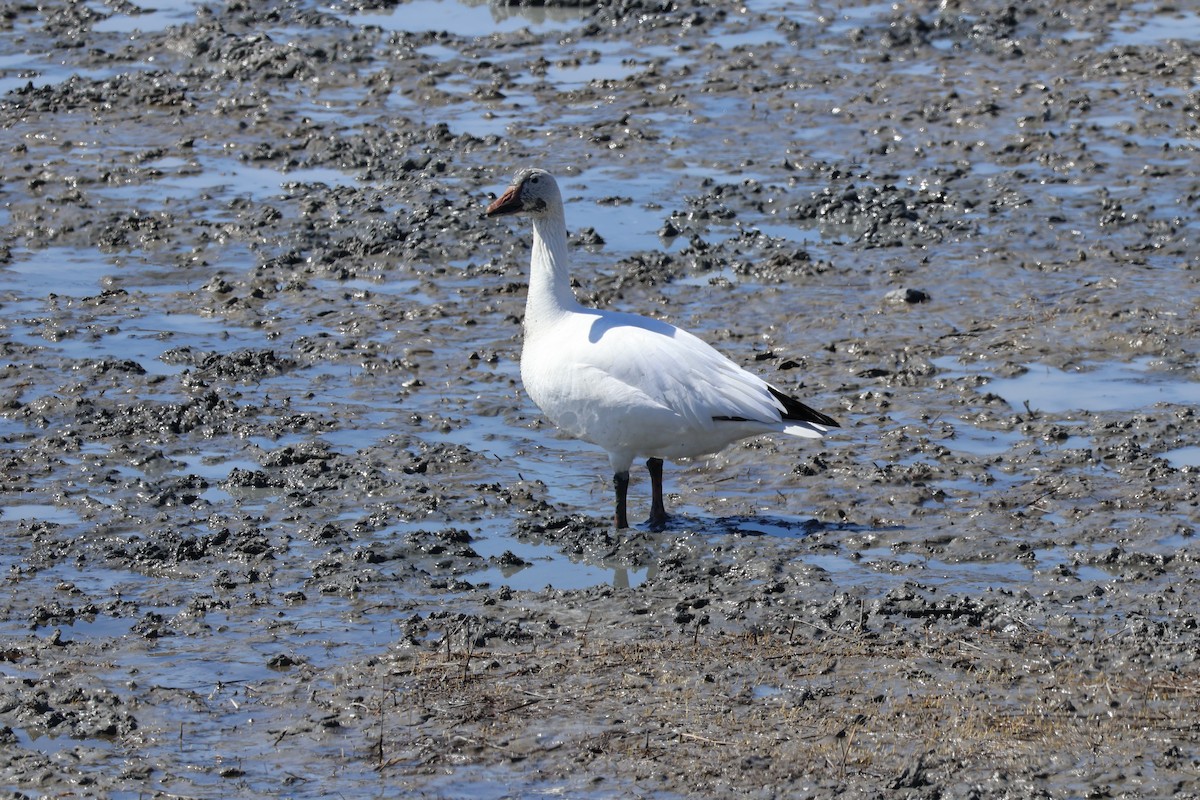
799,419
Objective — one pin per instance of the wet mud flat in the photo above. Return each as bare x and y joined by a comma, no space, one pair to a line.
279,522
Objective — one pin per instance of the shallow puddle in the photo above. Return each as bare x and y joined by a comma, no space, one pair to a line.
464,18
1128,386
1168,25
221,177
1184,456
42,512
154,18
70,271
544,567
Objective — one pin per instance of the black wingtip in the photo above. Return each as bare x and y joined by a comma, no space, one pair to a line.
796,411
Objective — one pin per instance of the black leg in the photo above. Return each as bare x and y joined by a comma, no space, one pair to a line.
621,484
658,511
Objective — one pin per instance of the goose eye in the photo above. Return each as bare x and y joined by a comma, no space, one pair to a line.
534,179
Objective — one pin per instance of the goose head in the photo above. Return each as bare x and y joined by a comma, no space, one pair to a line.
533,192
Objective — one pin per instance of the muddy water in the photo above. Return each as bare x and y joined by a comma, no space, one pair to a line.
278,520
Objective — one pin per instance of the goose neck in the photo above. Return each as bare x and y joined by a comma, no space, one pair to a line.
550,290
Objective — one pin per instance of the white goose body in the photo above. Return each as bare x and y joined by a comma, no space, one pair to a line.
644,389
635,386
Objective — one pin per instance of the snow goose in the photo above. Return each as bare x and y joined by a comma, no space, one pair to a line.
637,387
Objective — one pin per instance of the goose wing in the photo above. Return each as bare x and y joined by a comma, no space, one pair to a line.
668,367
